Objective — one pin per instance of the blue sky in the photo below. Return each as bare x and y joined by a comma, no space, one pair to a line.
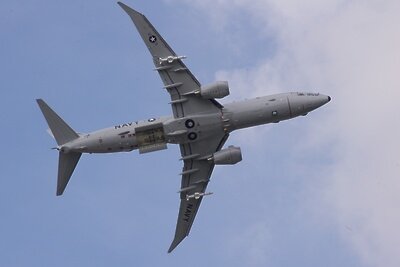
307,192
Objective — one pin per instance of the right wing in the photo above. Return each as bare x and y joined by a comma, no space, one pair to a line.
177,78
196,174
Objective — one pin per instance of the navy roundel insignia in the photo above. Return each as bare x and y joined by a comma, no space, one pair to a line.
192,136
152,39
189,123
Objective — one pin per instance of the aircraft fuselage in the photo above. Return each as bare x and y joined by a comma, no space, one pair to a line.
154,133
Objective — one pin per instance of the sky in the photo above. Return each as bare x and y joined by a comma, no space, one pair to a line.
320,190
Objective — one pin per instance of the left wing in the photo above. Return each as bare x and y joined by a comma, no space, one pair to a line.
178,80
195,177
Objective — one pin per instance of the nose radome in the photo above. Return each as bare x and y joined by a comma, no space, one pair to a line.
302,103
322,100
314,102
325,99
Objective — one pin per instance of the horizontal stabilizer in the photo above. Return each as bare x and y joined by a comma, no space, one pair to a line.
50,133
66,166
59,128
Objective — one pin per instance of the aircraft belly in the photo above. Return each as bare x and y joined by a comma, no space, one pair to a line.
255,112
105,143
193,128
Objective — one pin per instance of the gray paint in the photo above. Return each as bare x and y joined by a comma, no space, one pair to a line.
199,125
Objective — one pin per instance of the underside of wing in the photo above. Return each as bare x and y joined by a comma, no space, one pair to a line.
180,83
196,174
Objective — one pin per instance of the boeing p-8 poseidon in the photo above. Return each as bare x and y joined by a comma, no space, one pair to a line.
199,125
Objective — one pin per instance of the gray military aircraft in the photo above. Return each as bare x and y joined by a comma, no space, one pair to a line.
200,125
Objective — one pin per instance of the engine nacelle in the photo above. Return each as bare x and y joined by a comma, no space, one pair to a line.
218,89
228,156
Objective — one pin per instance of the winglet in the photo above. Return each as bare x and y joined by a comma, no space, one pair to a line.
128,9
175,243
187,212
157,46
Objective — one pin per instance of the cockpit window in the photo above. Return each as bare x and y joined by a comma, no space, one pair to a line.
308,94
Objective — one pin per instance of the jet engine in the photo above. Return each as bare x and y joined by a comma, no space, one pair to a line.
218,89
228,156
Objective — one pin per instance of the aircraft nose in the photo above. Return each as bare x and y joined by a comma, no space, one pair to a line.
325,99
319,101
302,103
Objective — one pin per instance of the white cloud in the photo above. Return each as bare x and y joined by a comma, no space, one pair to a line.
350,50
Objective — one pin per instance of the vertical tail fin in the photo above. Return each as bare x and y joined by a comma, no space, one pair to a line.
61,130
63,134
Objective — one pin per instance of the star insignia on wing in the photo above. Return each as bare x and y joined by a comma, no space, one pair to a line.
152,39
